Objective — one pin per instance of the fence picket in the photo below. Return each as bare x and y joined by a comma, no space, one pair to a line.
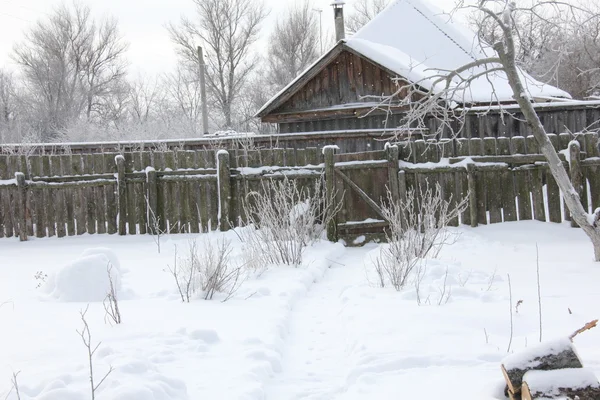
509,207
524,199
494,196
537,194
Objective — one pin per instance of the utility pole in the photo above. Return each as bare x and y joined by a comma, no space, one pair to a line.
320,11
202,71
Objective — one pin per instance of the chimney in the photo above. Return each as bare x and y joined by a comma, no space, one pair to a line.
338,15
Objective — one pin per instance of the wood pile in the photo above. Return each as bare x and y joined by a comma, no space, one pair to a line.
551,370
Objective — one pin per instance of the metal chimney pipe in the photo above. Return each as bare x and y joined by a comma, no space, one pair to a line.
338,15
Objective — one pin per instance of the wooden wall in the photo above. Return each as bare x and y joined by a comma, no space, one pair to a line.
344,80
186,191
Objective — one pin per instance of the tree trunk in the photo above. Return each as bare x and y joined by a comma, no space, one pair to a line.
554,163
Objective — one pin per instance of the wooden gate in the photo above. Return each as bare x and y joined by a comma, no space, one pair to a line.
360,182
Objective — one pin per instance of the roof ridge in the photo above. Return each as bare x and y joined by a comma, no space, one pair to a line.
441,30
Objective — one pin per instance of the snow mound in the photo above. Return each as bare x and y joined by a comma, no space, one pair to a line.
85,279
110,255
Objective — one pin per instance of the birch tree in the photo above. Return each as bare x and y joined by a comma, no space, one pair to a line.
227,29
450,88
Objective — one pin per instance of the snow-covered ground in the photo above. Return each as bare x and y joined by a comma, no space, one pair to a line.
320,331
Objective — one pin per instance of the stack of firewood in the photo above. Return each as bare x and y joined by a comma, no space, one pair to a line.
550,370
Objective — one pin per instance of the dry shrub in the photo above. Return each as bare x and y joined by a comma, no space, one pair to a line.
286,217
418,229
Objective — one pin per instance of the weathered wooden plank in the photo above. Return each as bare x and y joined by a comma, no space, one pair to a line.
290,157
591,144
169,195
419,148
278,157
536,176
213,199
21,206
37,200
121,195
475,147
494,196
490,146
66,167
313,156
182,198
90,200
99,195
10,220
532,145
462,147
564,139
224,187
517,145
3,212
4,167
509,207
204,205
553,198
58,198
524,196
503,146
473,202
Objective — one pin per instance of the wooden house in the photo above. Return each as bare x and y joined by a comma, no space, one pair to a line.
406,42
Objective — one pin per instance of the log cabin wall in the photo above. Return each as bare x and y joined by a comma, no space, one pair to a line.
341,97
344,80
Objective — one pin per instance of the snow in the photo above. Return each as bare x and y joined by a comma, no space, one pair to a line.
548,382
86,279
526,359
365,221
330,147
321,331
8,182
443,45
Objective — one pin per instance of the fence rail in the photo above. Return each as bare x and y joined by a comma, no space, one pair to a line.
191,192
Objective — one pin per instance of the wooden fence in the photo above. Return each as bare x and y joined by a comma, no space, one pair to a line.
137,193
197,191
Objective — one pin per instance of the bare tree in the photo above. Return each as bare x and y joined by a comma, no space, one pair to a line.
293,44
182,90
556,48
69,62
364,11
228,28
449,87
8,104
144,94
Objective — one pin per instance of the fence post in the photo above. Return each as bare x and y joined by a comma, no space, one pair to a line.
22,205
392,154
224,184
472,195
328,153
152,201
575,171
121,194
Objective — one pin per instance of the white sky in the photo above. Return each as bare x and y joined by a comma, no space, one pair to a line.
141,22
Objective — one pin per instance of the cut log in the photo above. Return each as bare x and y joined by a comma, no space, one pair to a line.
557,354
571,383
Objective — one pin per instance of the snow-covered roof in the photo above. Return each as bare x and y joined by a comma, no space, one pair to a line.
417,41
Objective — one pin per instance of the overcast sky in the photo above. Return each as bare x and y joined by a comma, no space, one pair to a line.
141,22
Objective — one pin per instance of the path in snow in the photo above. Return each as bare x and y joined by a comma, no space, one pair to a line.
315,357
